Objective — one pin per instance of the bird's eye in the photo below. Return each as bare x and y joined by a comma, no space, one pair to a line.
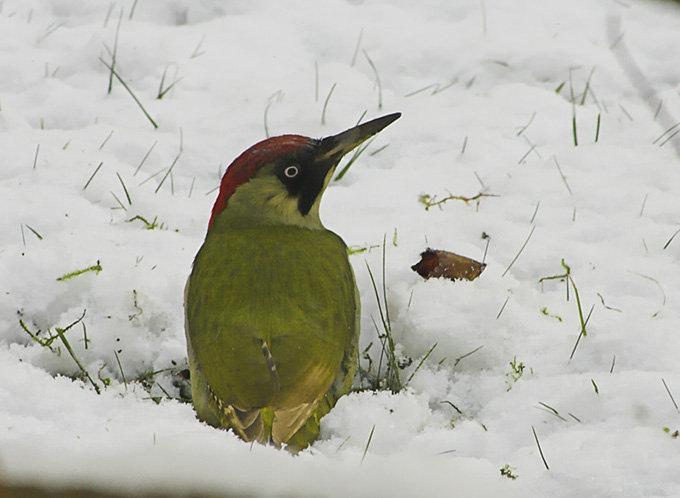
291,171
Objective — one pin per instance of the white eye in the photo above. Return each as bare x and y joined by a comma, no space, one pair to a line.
291,171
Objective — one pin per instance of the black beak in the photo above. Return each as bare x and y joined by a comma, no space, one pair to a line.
336,146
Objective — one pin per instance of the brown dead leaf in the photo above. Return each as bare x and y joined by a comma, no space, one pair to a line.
446,264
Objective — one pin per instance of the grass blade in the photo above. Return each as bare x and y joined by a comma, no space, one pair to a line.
61,333
377,79
127,194
520,251
539,448
669,393
34,232
354,157
121,368
564,178
144,158
35,158
167,173
420,364
91,177
368,443
325,104
122,82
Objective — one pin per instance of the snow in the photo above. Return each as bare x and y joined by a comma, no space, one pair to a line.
477,83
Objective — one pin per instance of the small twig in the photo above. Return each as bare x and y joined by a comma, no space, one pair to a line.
432,202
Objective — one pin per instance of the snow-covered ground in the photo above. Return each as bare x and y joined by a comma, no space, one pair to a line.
489,92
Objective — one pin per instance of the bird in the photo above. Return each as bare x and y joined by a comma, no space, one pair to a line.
272,309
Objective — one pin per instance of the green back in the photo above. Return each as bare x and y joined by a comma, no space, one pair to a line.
287,286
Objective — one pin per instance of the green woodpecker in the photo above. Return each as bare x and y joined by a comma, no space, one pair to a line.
272,308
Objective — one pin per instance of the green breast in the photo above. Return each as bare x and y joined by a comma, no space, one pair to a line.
292,288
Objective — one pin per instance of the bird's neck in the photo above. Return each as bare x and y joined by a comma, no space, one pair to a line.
262,202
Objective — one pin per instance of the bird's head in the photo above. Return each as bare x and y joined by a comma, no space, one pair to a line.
281,179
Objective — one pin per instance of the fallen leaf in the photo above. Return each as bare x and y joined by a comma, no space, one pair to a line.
446,264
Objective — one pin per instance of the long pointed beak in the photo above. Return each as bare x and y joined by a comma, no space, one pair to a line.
336,146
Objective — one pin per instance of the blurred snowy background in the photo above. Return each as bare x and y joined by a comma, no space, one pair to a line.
562,115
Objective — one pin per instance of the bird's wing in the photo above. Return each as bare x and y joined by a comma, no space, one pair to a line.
288,421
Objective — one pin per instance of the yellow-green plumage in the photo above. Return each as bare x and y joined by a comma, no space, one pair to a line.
272,309
240,276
